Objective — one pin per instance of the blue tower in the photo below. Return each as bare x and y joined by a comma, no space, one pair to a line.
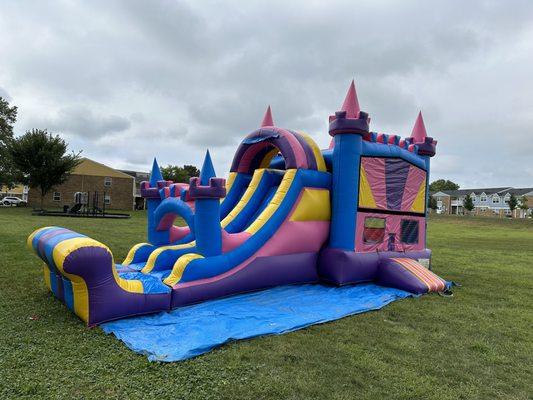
347,128
206,191
150,191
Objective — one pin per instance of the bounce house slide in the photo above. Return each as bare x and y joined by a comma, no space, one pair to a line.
253,200
289,213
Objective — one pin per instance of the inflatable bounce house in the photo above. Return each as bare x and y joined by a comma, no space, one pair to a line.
289,213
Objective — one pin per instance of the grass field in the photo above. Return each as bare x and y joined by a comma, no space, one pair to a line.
475,345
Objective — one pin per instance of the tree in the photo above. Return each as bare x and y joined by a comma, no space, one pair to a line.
441,184
43,160
179,174
468,204
513,203
523,204
8,117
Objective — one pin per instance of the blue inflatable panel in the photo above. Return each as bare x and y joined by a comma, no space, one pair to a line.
193,330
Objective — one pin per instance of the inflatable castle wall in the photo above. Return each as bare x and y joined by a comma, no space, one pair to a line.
289,213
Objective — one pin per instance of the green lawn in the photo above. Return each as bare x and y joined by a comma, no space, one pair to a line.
475,345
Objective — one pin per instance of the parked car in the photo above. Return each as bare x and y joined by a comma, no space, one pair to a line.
13,201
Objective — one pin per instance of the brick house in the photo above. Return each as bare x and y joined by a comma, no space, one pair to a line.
139,177
487,201
114,187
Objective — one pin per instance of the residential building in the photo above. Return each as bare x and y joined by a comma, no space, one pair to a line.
487,201
114,188
19,191
139,177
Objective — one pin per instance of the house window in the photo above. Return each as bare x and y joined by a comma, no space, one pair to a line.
483,197
374,230
107,199
495,199
507,198
473,197
409,231
57,196
108,181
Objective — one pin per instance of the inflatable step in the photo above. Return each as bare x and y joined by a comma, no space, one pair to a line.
409,275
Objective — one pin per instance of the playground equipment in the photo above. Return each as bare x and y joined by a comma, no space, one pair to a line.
86,205
289,213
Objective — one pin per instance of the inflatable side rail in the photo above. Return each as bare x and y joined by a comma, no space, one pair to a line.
80,271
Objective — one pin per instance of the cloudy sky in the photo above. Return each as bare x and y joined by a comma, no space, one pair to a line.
126,80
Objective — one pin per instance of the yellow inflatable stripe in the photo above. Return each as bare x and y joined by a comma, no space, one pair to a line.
250,190
313,206
230,181
419,203
265,163
366,198
150,263
131,253
32,235
276,201
320,163
46,272
179,268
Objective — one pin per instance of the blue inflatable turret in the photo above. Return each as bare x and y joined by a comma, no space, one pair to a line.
347,128
150,191
206,191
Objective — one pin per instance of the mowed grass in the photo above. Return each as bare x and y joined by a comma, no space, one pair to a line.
475,345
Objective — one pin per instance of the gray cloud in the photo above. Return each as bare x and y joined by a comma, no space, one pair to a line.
83,122
128,80
4,94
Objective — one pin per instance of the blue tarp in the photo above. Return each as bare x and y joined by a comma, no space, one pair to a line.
193,330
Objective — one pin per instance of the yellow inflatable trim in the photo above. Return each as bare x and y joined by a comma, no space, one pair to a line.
314,205
150,263
46,273
274,204
320,163
420,200
366,198
131,253
250,190
32,235
179,268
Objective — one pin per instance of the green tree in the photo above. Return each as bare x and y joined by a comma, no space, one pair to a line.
179,174
8,117
441,184
523,204
43,160
513,203
468,204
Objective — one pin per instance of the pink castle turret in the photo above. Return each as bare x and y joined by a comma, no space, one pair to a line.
351,103
419,134
419,139
267,119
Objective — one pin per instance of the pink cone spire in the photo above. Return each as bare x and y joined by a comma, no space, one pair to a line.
419,130
267,119
351,104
